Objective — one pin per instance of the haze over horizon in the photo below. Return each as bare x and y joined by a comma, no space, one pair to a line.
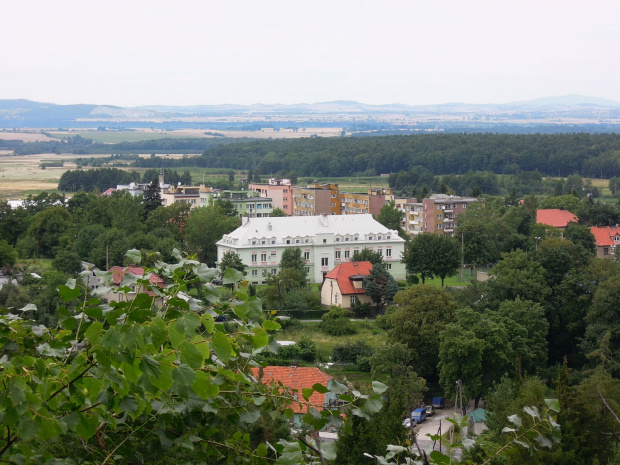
145,53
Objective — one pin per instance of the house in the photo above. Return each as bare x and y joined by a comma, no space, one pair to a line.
607,238
325,241
128,277
344,285
556,217
295,379
187,194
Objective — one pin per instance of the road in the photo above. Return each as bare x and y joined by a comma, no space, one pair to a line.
432,426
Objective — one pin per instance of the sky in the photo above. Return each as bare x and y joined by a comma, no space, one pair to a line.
206,52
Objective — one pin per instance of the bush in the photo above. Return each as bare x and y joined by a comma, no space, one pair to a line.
349,352
336,322
362,310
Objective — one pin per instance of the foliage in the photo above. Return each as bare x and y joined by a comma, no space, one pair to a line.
367,255
231,259
391,217
130,382
203,228
380,286
8,255
337,322
277,212
350,351
432,255
152,197
564,202
422,313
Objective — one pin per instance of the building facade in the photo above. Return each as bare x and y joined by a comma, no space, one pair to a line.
280,191
344,285
325,241
371,202
440,212
320,199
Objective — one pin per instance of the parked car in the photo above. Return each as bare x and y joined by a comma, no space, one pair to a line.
430,410
418,415
439,402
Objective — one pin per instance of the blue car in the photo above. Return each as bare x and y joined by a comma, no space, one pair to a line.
418,415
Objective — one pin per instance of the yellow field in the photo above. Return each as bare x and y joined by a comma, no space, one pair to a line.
30,136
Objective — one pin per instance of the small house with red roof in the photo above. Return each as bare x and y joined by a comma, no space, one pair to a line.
131,277
293,380
607,239
344,285
556,217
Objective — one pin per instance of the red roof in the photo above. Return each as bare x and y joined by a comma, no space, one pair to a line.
604,235
297,378
343,273
119,271
555,217
108,192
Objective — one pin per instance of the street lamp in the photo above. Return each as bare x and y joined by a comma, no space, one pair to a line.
537,239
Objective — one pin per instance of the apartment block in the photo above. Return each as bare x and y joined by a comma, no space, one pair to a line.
370,202
320,199
440,212
280,191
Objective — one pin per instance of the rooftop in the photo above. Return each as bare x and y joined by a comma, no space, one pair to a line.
605,235
347,270
556,217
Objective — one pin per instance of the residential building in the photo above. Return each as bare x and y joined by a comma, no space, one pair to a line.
344,285
607,239
556,217
280,191
413,218
246,202
440,212
119,279
293,379
325,241
188,194
320,199
370,202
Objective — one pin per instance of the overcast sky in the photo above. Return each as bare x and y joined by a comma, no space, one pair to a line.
192,52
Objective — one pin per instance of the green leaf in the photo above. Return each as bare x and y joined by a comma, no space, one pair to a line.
93,333
306,393
232,276
553,404
337,388
183,375
204,273
372,405
289,413
208,322
260,339
66,293
133,256
271,325
250,416
378,387
150,366
532,411
468,444
204,387
222,347
262,450
87,426
328,450
111,339
27,429
191,355
439,457
318,387
543,441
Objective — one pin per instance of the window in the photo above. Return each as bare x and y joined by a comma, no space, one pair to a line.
337,239
355,238
370,238
606,251
264,273
262,242
380,252
346,254
353,299
346,239
324,261
273,241
296,241
379,238
388,252
337,254
336,298
306,240
288,241
324,241
274,271
263,257
253,242
254,272
306,255
438,226
464,205
253,258
388,237
439,216
388,266
307,269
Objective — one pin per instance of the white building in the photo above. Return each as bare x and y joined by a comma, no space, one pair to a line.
325,241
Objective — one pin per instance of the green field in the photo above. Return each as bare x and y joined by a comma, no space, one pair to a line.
113,137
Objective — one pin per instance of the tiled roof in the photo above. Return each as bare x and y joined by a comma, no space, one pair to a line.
555,217
108,192
604,235
343,273
296,378
119,271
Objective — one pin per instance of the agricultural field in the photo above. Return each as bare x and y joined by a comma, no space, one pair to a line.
26,136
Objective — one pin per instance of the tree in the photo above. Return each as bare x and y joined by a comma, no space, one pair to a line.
380,286
8,255
432,255
68,262
278,212
367,255
203,228
179,383
391,217
422,313
231,259
151,197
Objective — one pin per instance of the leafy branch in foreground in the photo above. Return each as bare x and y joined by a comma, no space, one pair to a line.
152,379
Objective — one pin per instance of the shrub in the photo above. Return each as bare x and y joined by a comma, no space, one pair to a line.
336,322
362,310
349,352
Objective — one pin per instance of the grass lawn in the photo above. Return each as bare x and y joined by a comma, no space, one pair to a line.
367,331
451,281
